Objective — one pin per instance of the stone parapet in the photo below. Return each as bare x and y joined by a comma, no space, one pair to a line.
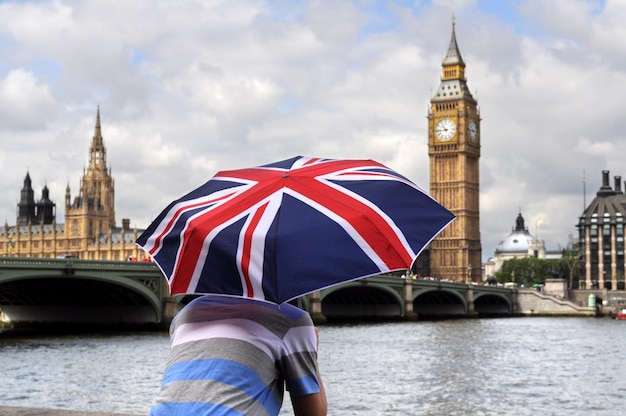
31,411
532,302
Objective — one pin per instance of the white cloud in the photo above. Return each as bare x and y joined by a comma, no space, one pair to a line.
24,102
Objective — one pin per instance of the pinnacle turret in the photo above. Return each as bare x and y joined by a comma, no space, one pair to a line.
453,55
97,152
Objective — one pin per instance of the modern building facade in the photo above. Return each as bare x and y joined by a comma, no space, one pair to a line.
89,231
454,142
601,238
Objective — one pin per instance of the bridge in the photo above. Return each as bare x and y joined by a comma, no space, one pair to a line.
394,297
37,291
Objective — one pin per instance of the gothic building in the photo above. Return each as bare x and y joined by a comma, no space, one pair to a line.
601,238
29,211
89,231
454,142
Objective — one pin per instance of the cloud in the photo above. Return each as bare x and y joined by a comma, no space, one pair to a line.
24,102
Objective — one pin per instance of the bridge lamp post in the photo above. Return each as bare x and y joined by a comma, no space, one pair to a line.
469,273
10,245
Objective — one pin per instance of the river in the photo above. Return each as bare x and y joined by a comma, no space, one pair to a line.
508,366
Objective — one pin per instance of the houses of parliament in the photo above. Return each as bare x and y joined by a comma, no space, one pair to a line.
454,140
89,231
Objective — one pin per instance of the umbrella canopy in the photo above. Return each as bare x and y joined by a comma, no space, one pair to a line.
286,229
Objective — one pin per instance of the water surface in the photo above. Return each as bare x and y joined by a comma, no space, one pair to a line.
511,366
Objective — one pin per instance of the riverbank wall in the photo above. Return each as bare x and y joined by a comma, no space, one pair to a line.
31,411
534,303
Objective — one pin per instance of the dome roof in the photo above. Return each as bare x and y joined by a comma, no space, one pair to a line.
518,241
608,205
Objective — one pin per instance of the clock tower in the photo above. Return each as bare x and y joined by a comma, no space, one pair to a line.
454,153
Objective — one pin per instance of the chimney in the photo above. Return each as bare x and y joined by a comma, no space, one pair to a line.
125,223
606,189
618,184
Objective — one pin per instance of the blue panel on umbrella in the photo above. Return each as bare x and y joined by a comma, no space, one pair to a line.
220,273
309,244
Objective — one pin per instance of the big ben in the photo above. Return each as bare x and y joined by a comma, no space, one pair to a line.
454,153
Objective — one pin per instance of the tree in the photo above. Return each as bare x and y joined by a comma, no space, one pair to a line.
527,271
570,265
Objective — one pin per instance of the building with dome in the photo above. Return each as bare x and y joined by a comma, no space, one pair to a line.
601,238
519,243
89,232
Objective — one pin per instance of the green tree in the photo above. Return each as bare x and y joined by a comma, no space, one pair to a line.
527,271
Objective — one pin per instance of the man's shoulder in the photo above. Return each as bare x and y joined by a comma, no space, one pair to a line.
247,307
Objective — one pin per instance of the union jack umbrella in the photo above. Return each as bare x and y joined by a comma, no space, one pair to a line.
286,229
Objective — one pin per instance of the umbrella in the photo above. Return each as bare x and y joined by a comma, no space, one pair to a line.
282,230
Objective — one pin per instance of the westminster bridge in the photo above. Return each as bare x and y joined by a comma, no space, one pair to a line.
37,291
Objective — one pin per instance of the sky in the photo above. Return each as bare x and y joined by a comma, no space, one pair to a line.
190,87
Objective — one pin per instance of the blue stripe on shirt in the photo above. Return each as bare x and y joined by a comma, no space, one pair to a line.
227,372
303,386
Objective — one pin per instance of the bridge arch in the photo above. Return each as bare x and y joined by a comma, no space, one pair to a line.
492,304
361,300
439,302
68,293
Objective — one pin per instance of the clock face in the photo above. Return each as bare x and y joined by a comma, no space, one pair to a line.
445,129
473,131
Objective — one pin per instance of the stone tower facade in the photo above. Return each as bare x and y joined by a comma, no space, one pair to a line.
93,211
31,212
454,151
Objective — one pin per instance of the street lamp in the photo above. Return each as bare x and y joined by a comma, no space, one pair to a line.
10,244
469,273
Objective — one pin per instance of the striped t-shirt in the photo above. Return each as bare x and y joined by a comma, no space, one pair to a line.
232,356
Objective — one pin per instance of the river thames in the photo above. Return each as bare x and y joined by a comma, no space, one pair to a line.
509,366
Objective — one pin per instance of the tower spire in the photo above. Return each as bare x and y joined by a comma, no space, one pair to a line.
453,55
453,82
98,131
97,152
